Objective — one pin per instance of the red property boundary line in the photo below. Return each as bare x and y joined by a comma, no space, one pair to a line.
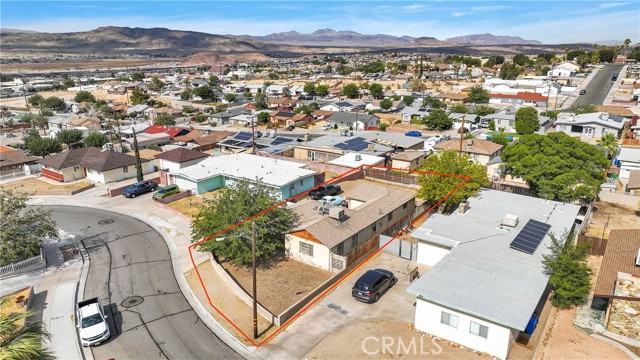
324,293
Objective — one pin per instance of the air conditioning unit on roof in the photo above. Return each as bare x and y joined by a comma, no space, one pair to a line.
510,220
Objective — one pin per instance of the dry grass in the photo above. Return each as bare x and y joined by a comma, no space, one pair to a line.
191,205
607,216
10,305
38,187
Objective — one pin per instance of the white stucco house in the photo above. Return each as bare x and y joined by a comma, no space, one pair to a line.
179,158
591,125
629,160
486,283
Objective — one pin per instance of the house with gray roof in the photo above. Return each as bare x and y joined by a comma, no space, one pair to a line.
413,113
332,237
330,147
356,121
506,119
487,279
591,125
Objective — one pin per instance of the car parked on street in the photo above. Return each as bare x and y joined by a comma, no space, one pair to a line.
322,191
372,285
326,127
414,133
140,188
583,91
166,191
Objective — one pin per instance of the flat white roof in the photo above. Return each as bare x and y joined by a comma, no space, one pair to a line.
272,172
349,160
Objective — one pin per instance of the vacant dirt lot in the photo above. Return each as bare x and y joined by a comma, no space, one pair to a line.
282,284
607,216
33,186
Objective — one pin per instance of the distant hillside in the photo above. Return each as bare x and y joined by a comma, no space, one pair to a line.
489,39
7,30
119,40
330,37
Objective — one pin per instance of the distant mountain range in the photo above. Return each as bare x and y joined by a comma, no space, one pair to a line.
489,39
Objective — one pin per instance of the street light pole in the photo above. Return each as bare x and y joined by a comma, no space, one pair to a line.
255,287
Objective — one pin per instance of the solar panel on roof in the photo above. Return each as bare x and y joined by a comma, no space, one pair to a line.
243,136
530,237
343,146
280,140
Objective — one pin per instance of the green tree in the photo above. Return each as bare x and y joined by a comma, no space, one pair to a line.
322,90
203,91
212,81
310,88
526,120
68,83
583,109
478,95
510,71
351,91
230,98
383,126
137,76
138,97
261,101
557,166
434,187
186,94
552,114
22,342
606,54
500,138
200,118
522,60
571,55
164,120
36,100
263,117
155,84
432,102
376,90
492,125
460,108
609,142
54,103
188,109
95,140
84,96
43,147
69,137
22,228
569,273
136,153
233,204
386,104
408,100
439,120
484,110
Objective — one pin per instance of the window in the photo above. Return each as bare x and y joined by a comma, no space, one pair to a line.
292,187
478,329
306,248
301,182
125,169
76,168
340,248
354,241
390,216
374,226
404,206
448,319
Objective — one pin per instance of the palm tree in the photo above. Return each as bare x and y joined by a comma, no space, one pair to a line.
626,46
22,342
609,142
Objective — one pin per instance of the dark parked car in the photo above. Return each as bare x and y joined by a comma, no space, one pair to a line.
413,133
373,284
463,130
322,191
614,77
139,188
583,91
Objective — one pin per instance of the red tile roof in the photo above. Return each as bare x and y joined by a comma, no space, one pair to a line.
6,149
172,131
521,95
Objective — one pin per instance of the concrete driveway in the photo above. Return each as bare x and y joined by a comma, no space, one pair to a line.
339,309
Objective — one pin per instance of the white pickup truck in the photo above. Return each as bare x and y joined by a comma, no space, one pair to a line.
92,322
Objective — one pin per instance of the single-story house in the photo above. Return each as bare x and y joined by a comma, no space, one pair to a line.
487,279
223,118
330,147
206,142
505,119
354,160
281,103
481,151
520,98
179,158
103,166
288,118
413,113
333,237
591,125
356,121
154,112
629,160
408,160
287,178
172,131
14,160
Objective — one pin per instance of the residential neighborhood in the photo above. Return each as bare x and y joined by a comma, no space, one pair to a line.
325,195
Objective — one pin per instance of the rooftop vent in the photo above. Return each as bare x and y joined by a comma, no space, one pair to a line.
358,157
638,258
469,142
463,207
510,220
337,213
371,147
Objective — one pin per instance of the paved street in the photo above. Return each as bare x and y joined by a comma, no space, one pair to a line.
131,272
600,85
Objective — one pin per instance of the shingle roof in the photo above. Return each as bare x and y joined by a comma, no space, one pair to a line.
620,256
634,180
92,158
15,157
479,146
180,155
193,134
408,155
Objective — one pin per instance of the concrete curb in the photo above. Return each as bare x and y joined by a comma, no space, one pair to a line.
197,306
87,354
617,345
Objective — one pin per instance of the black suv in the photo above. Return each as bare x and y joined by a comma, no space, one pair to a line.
139,188
322,191
372,285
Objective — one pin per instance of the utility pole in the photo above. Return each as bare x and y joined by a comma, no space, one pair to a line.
253,134
255,287
461,135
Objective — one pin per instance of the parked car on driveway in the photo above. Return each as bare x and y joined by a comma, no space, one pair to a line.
372,285
322,191
333,200
414,133
139,188
166,191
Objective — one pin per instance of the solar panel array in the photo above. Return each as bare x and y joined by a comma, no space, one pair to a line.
530,237
280,140
243,135
355,144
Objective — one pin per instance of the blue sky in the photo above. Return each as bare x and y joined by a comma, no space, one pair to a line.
548,21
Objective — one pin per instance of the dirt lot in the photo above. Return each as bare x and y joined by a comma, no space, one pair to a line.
607,216
564,341
281,285
39,187
365,341
191,205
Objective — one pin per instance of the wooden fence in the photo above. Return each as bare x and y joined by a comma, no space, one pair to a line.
632,142
512,189
393,176
598,245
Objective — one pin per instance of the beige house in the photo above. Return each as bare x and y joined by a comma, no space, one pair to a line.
408,160
481,151
333,237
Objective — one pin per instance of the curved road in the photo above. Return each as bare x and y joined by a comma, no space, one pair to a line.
131,272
